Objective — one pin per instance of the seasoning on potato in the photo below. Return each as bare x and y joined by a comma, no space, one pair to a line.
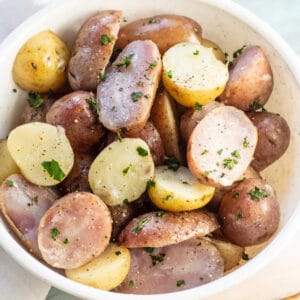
192,74
41,63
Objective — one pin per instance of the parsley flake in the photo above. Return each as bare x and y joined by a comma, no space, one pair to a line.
170,74
204,152
256,194
140,224
54,233
34,99
160,213
245,256
126,61
105,39
131,283
14,90
150,183
125,201
53,169
238,52
196,52
157,258
125,171
66,241
180,283
198,106
118,253
172,163
229,163
148,249
220,151
236,154
239,216
141,151
236,195
167,197
136,95
119,137
257,105
9,183
93,104
152,65
245,142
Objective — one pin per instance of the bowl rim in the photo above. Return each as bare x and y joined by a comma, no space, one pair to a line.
34,266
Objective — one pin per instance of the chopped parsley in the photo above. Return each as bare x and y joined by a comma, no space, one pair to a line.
34,99
167,197
10,183
35,199
157,258
198,106
140,224
152,21
160,213
148,249
257,105
119,136
230,65
66,241
204,152
196,52
53,169
150,183
136,95
236,154
170,74
141,151
105,39
238,52
118,253
184,182
101,77
245,142
54,233
256,194
172,163
125,201
125,171
236,195
220,151
180,282
152,65
93,104
131,283
14,90
245,256
229,163
239,216
126,61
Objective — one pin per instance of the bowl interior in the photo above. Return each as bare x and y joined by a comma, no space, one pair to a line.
224,23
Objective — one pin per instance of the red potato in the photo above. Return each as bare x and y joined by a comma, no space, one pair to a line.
92,49
23,204
250,81
153,230
164,30
172,268
164,117
77,114
273,138
74,230
192,117
125,98
250,213
221,146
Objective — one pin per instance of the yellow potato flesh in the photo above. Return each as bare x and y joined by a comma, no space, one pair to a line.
178,190
192,74
106,271
32,144
219,54
41,63
8,165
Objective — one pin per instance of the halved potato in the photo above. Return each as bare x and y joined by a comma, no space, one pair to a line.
178,191
219,54
121,171
193,75
106,271
42,152
8,165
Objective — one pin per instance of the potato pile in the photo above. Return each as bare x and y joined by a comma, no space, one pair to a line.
136,168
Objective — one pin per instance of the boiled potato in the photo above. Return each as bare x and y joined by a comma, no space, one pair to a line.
8,165
219,54
178,191
41,63
121,171
193,75
42,152
104,272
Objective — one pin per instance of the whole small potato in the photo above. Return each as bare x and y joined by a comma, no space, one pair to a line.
77,113
41,63
250,80
273,138
249,213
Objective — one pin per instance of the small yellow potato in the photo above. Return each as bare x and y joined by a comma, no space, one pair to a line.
193,75
121,171
178,190
219,54
41,63
106,271
8,165
42,152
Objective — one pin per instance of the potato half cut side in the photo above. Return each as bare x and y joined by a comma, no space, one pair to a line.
192,74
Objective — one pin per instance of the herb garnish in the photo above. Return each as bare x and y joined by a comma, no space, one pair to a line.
118,253
125,201
140,224
54,233
93,103
245,142
152,65
66,241
53,169
238,52
220,151
119,136
126,61
101,77
148,249
131,283
198,106
141,151
245,256
172,163
10,183
152,21
236,154
236,195
196,52
229,163
257,105
105,39
14,90
204,152
170,74
136,95
239,216
180,282
34,99
160,213
157,258
125,171
166,198
256,194
150,183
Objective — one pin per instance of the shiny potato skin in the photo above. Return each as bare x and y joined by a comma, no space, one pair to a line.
164,30
80,120
246,221
250,80
273,138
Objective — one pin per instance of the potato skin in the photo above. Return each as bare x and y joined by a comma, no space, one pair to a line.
41,63
273,138
164,30
246,221
89,55
250,80
79,119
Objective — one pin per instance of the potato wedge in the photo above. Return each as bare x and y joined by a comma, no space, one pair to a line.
121,171
219,54
41,63
164,117
192,74
8,165
106,271
42,152
178,191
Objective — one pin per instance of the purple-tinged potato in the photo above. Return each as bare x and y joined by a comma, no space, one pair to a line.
172,268
92,49
250,81
77,113
23,204
157,229
125,98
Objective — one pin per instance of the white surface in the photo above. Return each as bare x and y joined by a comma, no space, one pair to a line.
276,280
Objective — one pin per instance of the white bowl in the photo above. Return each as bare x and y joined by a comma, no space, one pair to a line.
228,25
